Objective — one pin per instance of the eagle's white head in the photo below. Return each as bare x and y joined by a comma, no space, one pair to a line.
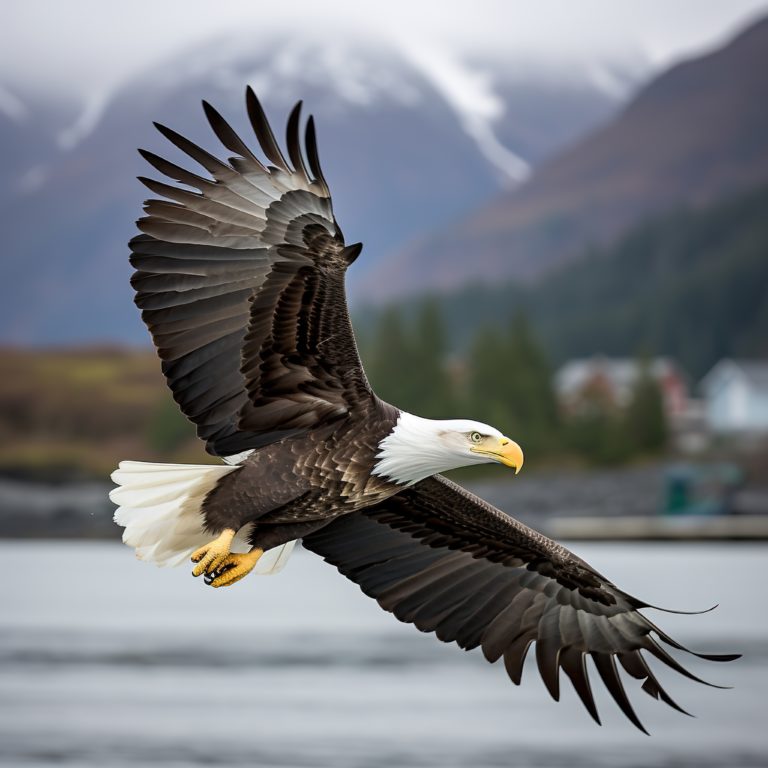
417,448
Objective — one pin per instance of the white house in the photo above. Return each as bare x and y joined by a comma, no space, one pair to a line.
736,396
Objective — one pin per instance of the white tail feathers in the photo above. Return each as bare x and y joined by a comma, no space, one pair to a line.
160,507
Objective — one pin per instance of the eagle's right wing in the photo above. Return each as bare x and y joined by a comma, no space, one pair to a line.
241,284
446,561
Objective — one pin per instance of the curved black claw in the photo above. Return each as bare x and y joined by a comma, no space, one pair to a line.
210,576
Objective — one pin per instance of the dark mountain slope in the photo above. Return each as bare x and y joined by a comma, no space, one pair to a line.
691,284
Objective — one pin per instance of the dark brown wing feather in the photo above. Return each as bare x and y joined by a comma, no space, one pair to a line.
441,558
241,284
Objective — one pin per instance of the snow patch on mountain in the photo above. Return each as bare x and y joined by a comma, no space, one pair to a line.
349,74
470,93
12,106
614,80
86,122
358,75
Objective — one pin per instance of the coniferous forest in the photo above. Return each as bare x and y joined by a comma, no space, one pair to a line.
505,379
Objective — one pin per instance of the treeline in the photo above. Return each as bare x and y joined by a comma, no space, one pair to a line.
691,284
505,379
75,413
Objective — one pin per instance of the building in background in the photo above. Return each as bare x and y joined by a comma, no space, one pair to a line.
736,397
613,380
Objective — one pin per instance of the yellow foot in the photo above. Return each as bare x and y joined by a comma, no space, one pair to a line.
233,567
213,553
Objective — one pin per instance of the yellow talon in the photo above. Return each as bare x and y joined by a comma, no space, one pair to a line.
210,556
235,567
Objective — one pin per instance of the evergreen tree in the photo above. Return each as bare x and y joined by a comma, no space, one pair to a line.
391,355
407,366
509,385
645,422
596,433
430,381
486,391
534,405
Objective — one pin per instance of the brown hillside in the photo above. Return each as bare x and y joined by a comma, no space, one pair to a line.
74,412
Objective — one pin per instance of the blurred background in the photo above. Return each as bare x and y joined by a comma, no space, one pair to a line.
565,215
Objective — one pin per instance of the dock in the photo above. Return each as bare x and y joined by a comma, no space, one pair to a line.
661,528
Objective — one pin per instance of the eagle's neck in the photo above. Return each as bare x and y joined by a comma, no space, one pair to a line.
417,448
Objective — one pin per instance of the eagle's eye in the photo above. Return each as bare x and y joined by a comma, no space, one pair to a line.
475,437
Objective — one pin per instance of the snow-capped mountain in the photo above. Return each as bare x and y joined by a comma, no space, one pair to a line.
409,141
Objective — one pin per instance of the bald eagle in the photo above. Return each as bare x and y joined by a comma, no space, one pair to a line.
241,284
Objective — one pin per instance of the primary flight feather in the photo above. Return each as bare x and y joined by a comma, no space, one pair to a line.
241,284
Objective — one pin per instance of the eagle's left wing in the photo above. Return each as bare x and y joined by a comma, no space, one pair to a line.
441,558
240,280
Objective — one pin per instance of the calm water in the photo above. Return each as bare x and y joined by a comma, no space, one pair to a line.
105,661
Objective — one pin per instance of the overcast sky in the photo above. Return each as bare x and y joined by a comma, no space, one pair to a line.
76,47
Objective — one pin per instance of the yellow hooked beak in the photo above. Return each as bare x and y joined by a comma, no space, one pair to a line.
501,449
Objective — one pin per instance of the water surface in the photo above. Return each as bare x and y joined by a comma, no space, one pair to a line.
106,661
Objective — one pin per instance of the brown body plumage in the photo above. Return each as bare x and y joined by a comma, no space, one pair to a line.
294,487
241,284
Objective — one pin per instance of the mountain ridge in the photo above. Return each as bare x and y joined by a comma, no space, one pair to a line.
65,252
696,132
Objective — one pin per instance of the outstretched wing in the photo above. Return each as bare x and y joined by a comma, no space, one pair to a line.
241,284
439,557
